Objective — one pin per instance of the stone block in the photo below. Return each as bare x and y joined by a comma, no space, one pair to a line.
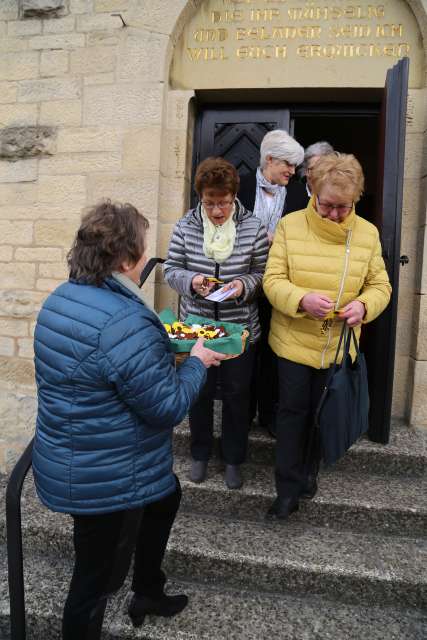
7,347
423,262
20,276
25,347
13,328
62,25
24,28
54,63
416,114
163,238
414,155
16,304
20,171
83,139
141,149
57,41
141,192
57,233
16,233
152,15
8,92
99,78
92,60
18,115
174,198
17,371
67,113
54,270
8,10
19,65
105,22
27,142
411,206
419,395
142,58
401,386
18,194
112,5
80,6
421,328
8,45
70,191
405,322
80,163
6,253
42,8
38,254
47,284
104,38
47,89
173,163
127,104
165,297
40,211
178,106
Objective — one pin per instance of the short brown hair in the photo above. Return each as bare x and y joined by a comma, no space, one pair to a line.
109,234
341,170
216,173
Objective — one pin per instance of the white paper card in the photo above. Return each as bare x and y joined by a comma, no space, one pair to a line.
219,295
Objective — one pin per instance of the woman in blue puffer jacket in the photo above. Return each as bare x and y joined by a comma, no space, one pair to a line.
108,399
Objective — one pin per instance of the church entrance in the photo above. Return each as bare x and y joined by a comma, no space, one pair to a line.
372,127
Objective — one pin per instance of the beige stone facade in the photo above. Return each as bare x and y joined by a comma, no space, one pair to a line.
120,101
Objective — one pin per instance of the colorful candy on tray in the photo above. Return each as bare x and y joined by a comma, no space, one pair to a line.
182,331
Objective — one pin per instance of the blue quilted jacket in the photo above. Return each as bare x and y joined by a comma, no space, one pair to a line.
108,399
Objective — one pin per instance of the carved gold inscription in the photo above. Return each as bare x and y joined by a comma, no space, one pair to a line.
257,30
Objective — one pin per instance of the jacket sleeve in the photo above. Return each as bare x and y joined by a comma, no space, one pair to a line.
136,358
376,291
252,281
281,292
174,269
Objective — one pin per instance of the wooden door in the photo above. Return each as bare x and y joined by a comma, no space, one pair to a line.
235,134
382,333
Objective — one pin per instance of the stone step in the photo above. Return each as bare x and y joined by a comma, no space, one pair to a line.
294,557
214,612
395,505
289,557
406,453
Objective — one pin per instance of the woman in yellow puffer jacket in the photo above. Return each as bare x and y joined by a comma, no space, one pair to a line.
324,268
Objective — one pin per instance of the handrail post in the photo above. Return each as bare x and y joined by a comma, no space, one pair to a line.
14,544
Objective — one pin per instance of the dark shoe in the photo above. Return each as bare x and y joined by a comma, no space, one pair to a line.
282,508
198,470
233,479
166,606
310,488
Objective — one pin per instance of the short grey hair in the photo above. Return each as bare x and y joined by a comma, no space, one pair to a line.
322,148
279,144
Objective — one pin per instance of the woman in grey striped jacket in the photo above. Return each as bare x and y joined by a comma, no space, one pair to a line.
222,240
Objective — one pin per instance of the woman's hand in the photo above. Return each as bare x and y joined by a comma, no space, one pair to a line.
353,312
316,304
207,356
201,285
234,284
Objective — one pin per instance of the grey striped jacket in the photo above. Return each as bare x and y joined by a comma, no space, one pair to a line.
247,262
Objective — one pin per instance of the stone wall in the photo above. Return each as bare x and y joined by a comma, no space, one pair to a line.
86,112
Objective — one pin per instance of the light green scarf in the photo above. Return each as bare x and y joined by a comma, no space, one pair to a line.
218,240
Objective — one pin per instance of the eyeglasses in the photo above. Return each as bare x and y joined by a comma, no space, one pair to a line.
285,163
339,208
210,206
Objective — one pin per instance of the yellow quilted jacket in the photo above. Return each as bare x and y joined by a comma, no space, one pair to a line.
342,260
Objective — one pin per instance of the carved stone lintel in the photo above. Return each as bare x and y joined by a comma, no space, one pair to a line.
43,8
26,142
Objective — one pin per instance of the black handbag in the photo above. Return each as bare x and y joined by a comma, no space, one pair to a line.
342,415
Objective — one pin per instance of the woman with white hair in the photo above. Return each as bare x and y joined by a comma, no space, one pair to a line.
271,193
311,156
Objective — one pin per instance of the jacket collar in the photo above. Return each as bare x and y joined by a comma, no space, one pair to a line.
335,232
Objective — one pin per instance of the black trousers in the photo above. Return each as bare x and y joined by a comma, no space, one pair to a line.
264,386
297,454
234,377
104,545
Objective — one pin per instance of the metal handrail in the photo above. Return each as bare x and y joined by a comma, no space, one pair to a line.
14,544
